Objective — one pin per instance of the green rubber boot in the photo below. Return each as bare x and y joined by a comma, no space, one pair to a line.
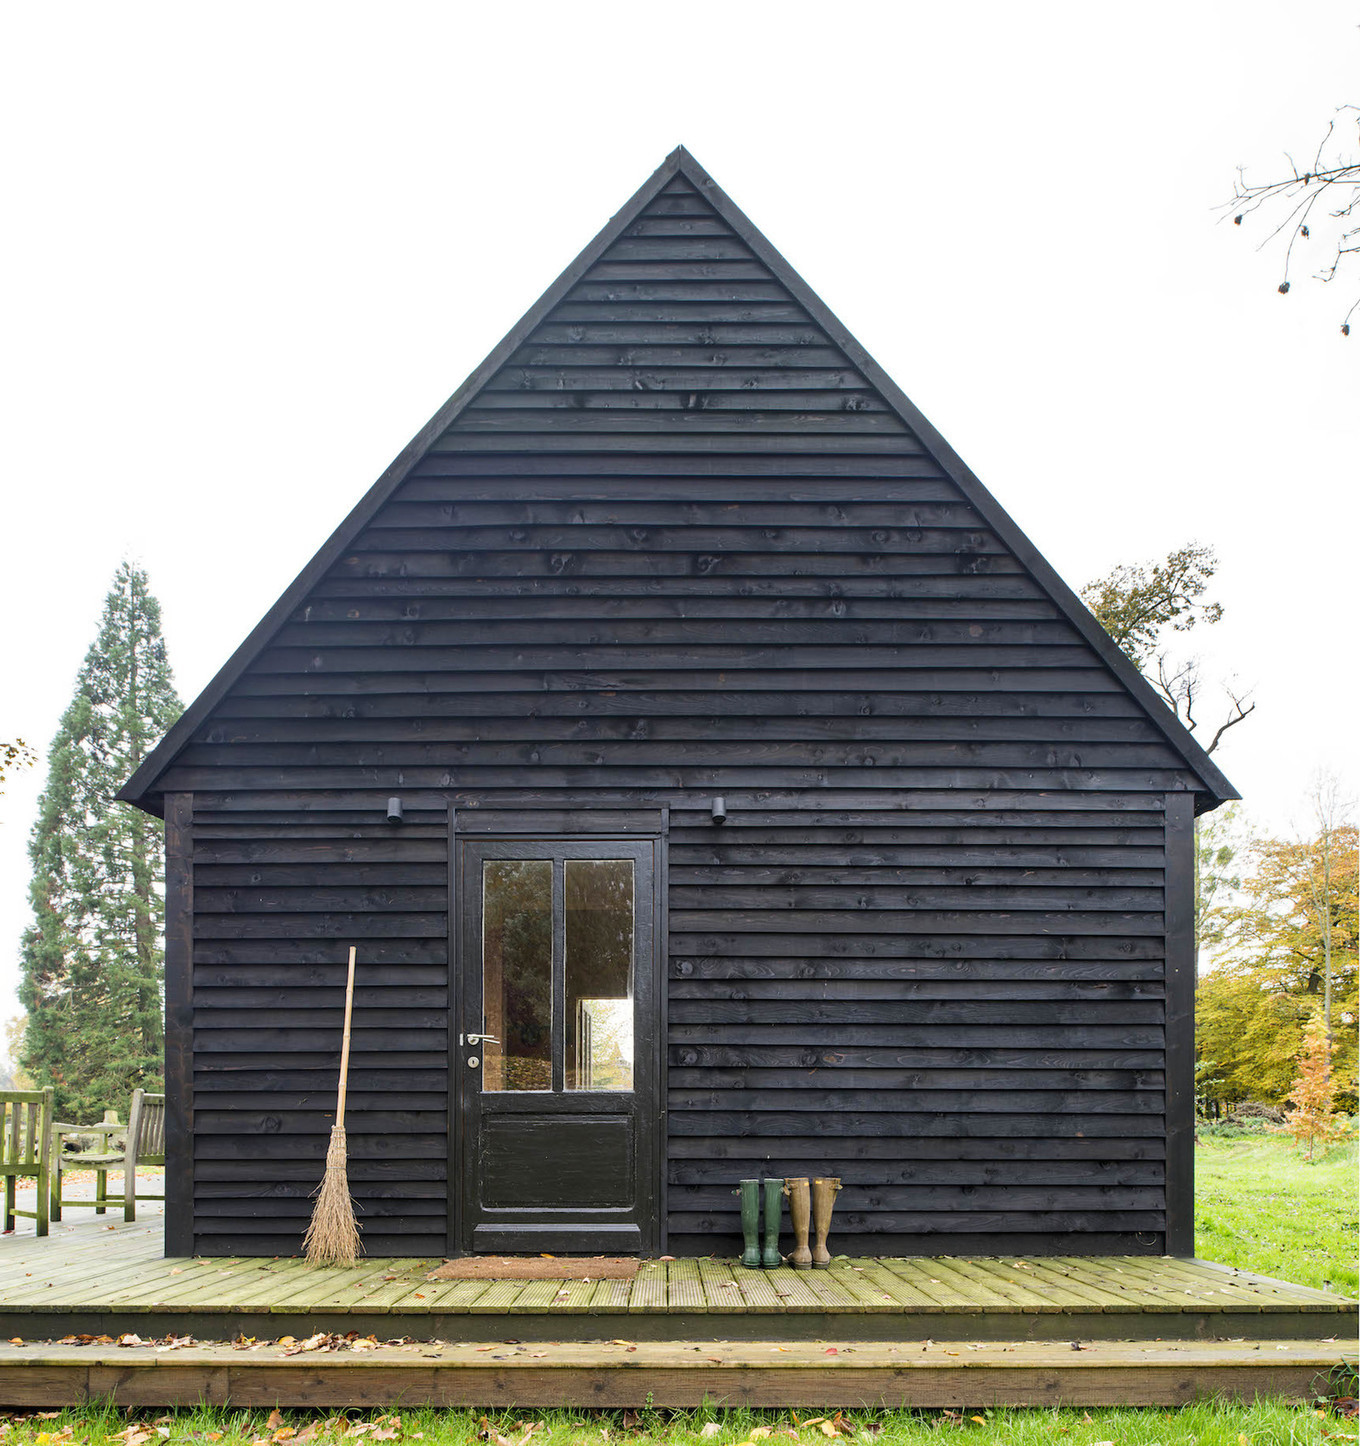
770,1257
750,1223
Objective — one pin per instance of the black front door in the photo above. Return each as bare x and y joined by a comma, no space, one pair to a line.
555,1050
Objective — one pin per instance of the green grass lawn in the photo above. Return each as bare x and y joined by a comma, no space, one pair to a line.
1266,1423
1261,1206
1258,1205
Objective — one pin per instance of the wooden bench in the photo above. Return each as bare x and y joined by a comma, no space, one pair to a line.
144,1144
25,1146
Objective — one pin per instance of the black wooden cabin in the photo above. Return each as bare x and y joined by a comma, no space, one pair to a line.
679,540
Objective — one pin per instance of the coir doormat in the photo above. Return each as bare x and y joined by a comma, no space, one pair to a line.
537,1267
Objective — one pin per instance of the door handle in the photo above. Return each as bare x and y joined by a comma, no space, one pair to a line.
481,1039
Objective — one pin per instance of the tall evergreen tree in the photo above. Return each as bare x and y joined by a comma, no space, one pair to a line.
93,960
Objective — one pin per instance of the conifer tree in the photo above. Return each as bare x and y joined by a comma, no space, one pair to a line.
92,960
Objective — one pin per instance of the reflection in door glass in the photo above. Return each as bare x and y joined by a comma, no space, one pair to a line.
599,974
517,973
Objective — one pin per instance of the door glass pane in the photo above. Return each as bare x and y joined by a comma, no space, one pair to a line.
599,974
517,974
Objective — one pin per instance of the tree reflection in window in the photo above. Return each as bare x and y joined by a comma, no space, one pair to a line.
598,1019
517,973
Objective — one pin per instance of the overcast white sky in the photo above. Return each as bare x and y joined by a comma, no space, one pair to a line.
250,248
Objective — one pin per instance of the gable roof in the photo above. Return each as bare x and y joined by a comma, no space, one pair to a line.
141,788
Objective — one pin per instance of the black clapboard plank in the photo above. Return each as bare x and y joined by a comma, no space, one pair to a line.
273,955
568,379
831,1075
242,1122
788,467
733,518
319,898
367,1079
830,1013
957,949
833,1099
873,1151
669,632
726,1062
842,681
878,1202
673,754
796,395
262,1038
954,1125
965,975
958,1222
992,921
531,726
927,1173
320,871
1056,1035
384,1174
829,990
736,434
948,535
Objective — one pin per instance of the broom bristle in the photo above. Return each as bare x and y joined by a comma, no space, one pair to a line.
333,1236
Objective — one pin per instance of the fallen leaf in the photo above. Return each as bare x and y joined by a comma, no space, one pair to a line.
710,1430
981,1420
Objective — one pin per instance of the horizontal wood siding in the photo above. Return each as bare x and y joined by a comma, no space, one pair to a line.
678,546
270,949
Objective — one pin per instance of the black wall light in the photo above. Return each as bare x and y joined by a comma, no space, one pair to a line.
719,811
394,813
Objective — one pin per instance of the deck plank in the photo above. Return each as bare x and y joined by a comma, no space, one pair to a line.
684,1288
721,1290
767,1372
649,1288
112,1278
611,1296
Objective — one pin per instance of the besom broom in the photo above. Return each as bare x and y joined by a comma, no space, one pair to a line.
333,1236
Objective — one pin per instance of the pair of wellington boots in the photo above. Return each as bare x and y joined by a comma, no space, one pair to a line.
817,1199
810,1203
755,1254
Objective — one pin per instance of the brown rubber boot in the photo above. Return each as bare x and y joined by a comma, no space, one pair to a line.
799,1217
823,1202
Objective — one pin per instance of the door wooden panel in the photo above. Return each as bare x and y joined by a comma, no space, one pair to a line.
556,1046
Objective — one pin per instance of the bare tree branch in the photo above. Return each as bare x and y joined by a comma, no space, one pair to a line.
1301,200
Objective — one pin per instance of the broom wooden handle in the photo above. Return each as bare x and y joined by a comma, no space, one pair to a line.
344,1043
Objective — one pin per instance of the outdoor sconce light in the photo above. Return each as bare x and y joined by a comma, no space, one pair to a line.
394,813
719,811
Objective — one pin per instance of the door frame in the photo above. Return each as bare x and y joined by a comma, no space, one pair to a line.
553,827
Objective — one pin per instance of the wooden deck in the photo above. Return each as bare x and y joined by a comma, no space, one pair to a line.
914,1331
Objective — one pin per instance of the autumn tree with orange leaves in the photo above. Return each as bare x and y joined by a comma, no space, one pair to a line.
1311,1120
1288,952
